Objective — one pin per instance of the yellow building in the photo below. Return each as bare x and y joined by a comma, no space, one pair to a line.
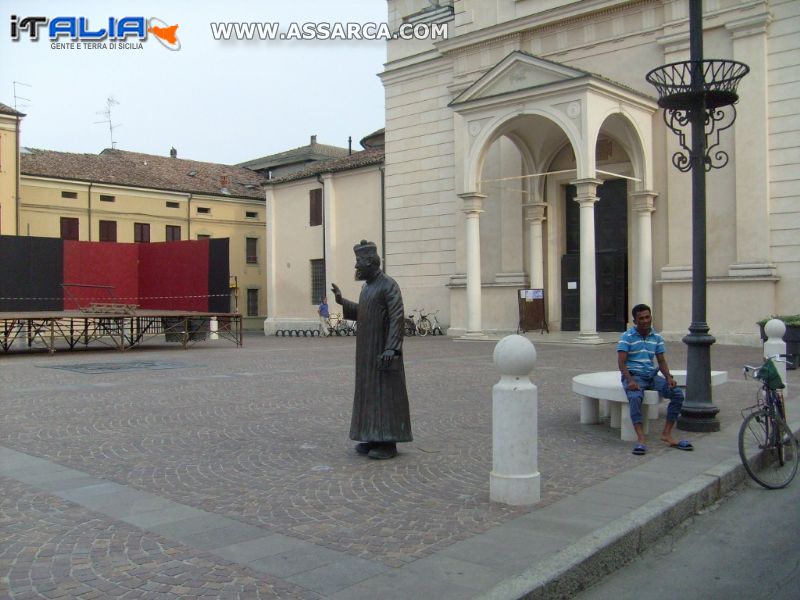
314,217
9,173
131,197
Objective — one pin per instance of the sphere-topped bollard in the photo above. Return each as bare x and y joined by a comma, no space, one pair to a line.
775,329
515,475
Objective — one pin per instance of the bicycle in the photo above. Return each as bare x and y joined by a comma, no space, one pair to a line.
437,329
421,325
336,325
764,434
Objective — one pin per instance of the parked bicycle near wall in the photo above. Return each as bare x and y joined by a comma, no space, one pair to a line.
767,446
419,323
336,325
437,329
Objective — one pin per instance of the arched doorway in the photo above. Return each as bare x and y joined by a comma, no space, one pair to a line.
553,115
611,258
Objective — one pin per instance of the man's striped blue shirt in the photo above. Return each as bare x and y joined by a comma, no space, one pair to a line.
641,351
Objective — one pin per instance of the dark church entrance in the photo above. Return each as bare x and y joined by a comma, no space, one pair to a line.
611,258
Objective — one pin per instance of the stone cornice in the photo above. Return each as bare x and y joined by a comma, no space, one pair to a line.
414,66
752,25
588,11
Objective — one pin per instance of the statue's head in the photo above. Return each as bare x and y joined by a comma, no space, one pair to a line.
368,263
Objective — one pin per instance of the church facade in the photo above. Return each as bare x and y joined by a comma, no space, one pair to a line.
527,150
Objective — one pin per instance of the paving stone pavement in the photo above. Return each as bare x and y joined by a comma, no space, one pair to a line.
230,475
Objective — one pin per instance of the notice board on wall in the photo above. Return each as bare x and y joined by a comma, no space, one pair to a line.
531,310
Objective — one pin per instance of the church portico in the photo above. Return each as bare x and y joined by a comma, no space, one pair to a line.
525,132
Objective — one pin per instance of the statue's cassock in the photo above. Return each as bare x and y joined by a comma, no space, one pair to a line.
380,403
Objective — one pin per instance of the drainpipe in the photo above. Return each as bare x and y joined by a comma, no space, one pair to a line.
16,194
383,217
189,216
89,211
324,242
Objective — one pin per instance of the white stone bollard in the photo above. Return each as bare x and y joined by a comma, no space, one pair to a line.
515,475
774,330
213,327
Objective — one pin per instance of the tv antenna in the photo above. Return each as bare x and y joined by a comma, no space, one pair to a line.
107,114
17,104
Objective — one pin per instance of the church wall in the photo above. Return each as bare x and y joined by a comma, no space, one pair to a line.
622,42
784,151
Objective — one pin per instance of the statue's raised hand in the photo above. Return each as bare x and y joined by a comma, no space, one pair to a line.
337,293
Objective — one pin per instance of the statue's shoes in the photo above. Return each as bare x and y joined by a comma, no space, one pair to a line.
383,451
364,447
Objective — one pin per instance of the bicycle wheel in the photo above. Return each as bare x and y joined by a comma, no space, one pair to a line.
424,326
410,328
768,450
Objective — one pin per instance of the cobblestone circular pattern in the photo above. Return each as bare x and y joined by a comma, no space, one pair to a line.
259,434
52,548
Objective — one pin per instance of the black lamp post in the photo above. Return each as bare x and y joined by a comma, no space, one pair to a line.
694,92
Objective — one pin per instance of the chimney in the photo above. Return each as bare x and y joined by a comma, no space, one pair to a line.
313,140
223,182
173,152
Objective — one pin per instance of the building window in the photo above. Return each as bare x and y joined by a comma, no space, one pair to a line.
72,195
203,210
141,232
203,236
69,228
173,233
108,231
107,198
252,303
315,207
251,250
251,215
173,205
317,280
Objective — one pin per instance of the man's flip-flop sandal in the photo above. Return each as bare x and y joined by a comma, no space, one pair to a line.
683,445
639,449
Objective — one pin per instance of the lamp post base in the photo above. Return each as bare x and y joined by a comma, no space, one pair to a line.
699,412
700,420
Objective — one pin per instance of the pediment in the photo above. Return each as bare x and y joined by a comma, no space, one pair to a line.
517,71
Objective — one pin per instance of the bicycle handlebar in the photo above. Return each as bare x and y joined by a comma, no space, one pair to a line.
775,357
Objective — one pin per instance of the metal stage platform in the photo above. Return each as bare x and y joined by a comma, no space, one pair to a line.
114,328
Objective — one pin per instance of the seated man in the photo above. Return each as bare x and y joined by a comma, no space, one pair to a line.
635,353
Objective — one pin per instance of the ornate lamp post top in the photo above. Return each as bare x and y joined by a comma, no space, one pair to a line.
704,86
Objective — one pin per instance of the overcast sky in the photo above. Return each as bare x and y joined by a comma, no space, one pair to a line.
214,101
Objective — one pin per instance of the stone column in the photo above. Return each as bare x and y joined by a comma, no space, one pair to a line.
472,208
271,255
586,197
534,217
644,205
329,220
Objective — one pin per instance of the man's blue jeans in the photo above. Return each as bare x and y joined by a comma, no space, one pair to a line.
659,384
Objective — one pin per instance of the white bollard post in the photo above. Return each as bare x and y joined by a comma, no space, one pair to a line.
213,327
774,330
515,475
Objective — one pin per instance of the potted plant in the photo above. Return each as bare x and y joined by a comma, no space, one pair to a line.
791,337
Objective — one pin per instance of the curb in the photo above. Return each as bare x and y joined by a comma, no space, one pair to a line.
591,558
585,562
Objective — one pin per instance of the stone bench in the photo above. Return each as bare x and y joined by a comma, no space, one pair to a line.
607,386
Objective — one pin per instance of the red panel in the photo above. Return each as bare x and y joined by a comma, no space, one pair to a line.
174,275
100,264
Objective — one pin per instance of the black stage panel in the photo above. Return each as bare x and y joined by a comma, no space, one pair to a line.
31,272
218,275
